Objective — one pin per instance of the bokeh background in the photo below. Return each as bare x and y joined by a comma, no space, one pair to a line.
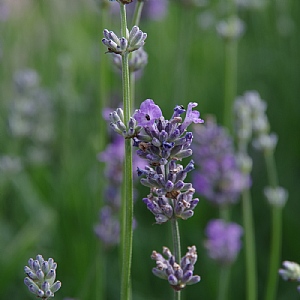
55,79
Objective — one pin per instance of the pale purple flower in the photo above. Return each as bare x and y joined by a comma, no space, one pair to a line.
178,275
223,241
192,116
148,113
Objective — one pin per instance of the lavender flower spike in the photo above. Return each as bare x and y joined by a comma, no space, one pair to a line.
178,275
41,277
223,243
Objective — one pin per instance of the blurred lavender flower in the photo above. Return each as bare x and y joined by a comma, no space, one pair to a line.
31,117
218,176
230,29
41,277
154,9
137,61
290,271
108,228
223,241
276,196
250,112
178,275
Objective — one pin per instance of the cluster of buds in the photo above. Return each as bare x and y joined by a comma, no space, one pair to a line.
276,196
231,29
290,272
251,117
41,277
117,124
134,40
178,275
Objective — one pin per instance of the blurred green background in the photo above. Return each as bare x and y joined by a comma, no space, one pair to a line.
50,183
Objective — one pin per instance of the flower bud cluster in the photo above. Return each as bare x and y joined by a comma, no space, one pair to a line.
134,40
178,275
276,196
290,271
117,124
251,117
41,277
231,29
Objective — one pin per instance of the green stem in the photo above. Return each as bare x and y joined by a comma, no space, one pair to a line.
224,277
230,72
249,246
275,247
230,83
176,248
127,201
223,282
137,13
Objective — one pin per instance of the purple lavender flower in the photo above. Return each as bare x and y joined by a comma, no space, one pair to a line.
178,275
162,143
218,176
223,241
148,113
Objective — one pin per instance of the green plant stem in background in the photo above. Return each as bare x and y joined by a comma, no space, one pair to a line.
224,282
127,199
135,21
251,284
230,81
224,277
276,240
176,248
137,13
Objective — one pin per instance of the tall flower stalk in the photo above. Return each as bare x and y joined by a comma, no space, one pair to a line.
123,46
243,131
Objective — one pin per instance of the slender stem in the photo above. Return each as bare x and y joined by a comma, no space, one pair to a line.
225,271
275,247
176,248
127,201
137,13
230,81
249,246
223,282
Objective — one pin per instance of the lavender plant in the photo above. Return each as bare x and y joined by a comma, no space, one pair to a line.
252,121
162,143
41,276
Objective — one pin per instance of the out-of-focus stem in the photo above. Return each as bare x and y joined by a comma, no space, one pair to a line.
249,246
275,247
